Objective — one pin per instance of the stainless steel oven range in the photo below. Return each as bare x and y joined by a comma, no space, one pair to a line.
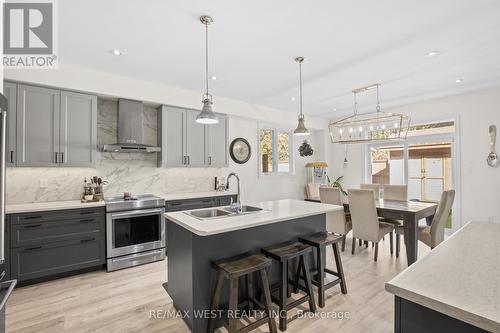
135,231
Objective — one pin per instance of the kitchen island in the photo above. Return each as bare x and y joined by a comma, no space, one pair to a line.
193,244
455,288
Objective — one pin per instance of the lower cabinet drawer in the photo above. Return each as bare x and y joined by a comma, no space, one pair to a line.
44,260
27,234
173,206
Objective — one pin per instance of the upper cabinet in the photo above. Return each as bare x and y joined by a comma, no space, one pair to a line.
78,129
10,91
188,143
55,128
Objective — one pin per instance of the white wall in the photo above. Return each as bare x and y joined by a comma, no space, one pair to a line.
480,184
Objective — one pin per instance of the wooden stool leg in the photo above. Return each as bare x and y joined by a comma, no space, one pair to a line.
307,277
296,279
288,276
250,293
391,239
397,245
282,297
340,270
343,243
320,278
267,301
375,255
353,244
360,242
233,305
215,300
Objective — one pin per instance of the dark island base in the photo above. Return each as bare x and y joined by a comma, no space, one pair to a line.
191,278
414,318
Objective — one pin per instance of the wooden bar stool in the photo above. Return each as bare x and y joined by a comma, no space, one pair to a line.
283,253
320,241
233,269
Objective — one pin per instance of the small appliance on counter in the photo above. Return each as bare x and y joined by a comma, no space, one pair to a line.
135,230
92,191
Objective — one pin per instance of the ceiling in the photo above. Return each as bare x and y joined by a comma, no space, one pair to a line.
347,44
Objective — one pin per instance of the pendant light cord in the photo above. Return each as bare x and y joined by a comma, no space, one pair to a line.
206,58
300,87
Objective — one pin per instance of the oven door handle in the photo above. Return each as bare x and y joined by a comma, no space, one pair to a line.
138,212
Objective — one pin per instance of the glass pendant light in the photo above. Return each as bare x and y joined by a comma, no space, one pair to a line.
301,129
207,115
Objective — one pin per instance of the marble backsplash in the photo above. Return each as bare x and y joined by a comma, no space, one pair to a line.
136,173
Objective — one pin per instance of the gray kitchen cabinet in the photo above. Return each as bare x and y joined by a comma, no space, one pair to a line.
217,143
172,136
37,126
78,129
46,245
10,91
195,145
55,128
188,143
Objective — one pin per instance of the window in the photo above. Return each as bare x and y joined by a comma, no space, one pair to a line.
275,151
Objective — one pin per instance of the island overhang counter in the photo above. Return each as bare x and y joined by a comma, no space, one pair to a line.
193,244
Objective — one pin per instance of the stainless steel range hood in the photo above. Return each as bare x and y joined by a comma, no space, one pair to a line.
130,129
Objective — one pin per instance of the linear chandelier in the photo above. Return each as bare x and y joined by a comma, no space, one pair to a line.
373,126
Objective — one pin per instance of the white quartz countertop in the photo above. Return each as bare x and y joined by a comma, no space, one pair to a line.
460,277
274,211
52,205
194,195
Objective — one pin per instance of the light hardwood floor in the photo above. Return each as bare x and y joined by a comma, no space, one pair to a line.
121,301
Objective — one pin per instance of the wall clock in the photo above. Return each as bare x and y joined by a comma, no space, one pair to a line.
240,150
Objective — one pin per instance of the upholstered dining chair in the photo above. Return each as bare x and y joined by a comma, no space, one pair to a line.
374,187
433,235
396,192
312,191
365,222
335,221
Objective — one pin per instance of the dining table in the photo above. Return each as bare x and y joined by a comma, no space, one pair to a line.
410,213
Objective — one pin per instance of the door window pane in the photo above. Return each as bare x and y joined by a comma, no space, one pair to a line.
283,152
387,165
266,151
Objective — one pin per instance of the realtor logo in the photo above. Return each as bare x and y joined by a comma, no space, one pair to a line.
29,35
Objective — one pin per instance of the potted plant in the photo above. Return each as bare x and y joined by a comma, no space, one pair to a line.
336,183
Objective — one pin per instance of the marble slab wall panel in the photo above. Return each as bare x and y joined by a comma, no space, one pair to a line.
133,172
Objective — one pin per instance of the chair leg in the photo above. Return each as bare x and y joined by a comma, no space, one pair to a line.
397,245
366,244
353,244
282,297
391,239
307,277
267,301
340,270
215,301
233,305
343,243
360,242
320,279
375,255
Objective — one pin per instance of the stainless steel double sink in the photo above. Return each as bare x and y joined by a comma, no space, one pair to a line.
219,212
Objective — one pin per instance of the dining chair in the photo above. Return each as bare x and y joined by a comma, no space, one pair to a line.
335,221
312,191
432,235
365,222
374,187
396,192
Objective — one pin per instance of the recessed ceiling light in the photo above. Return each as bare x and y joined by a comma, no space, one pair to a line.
292,98
213,78
116,52
432,54
459,80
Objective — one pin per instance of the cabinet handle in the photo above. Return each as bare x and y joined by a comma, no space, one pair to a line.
32,248
62,158
11,156
87,240
56,161
32,217
32,226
